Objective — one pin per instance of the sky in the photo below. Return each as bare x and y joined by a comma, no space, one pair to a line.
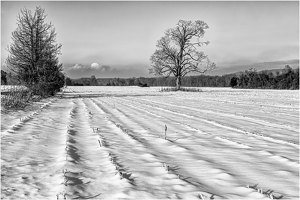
117,39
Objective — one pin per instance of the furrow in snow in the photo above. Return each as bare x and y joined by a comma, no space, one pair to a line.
227,115
131,113
187,165
88,171
168,120
231,127
143,162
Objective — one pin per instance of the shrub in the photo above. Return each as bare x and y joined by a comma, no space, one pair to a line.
173,89
15,97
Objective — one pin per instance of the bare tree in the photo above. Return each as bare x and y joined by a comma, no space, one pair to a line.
34,52
178,51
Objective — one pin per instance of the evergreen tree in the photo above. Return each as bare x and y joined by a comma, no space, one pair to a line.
34,53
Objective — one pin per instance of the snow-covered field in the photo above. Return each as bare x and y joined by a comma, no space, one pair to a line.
110,143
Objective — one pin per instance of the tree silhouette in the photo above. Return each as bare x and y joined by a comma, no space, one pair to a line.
178,51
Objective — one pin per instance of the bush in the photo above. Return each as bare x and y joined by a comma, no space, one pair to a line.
49,87
15,97
143,85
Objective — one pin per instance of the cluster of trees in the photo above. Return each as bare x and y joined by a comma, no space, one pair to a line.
33,54
287,79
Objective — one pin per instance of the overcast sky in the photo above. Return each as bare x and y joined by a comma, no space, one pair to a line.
116,39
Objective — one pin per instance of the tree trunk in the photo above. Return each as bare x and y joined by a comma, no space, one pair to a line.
178,82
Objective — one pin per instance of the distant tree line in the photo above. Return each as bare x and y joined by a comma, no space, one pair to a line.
188,81
286,78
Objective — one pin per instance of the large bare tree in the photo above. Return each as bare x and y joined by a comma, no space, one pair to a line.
33,54
178,51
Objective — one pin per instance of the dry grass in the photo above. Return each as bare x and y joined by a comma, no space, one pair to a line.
15,97
173,89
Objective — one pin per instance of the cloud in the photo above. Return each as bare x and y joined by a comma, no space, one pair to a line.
95,66
106,71
100,68
77,66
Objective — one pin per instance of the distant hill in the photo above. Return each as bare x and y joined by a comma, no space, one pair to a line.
268,71
221,70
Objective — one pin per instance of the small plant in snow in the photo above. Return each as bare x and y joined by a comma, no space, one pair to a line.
202,196
100,142
95,129
166,166
268,193
61,195
166,128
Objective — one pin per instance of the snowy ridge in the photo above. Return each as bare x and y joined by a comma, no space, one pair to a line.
25,119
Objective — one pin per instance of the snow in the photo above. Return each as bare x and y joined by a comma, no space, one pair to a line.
109,143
